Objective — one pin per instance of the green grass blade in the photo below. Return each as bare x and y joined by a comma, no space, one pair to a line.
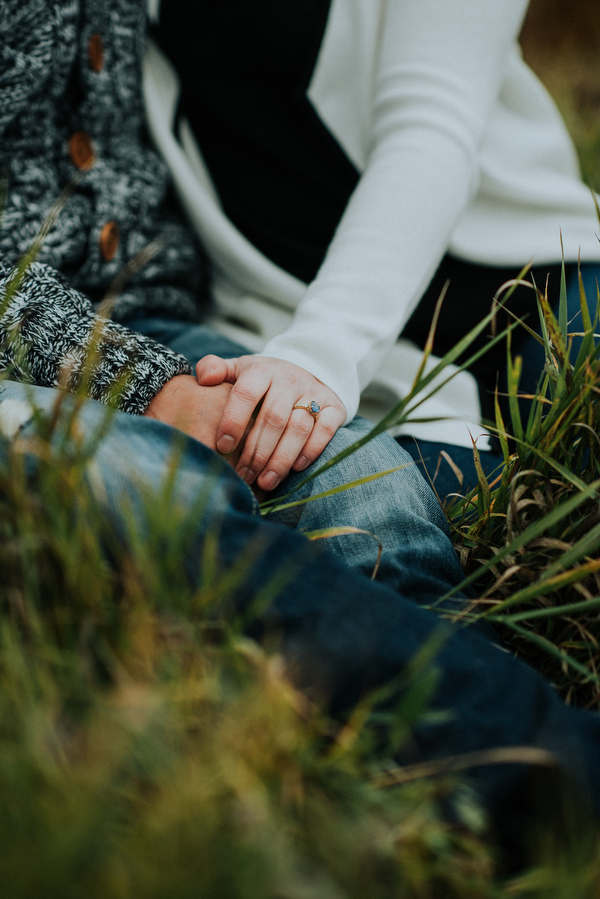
553,650
562,301
572,608
278,506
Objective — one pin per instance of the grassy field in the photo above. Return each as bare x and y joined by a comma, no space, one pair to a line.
147,753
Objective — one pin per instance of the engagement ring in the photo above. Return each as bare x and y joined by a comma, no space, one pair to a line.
312,408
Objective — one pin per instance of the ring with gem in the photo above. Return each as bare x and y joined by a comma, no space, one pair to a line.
312,408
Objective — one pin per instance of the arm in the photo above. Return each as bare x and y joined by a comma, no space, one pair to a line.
439,74
50,336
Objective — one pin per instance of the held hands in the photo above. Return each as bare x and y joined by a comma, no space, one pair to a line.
282,438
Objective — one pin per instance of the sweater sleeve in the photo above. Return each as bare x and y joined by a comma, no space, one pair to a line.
440,72
50,336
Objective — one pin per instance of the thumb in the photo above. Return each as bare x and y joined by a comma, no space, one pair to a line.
212,370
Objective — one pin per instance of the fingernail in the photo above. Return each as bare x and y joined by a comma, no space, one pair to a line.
246,475
301,463
225,444
269,481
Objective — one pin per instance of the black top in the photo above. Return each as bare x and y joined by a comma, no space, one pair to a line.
245,66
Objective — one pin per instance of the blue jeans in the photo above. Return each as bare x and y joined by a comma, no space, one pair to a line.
341,633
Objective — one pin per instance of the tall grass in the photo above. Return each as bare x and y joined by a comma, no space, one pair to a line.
149,749
529,538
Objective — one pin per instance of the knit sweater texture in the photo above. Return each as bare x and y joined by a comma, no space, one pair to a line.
70,77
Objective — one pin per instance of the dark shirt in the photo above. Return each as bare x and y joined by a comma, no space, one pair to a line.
245,66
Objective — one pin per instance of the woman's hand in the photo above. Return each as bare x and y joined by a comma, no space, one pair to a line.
282,438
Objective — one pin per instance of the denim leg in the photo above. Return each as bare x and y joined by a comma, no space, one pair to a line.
532,355
398,511
340,633
191,340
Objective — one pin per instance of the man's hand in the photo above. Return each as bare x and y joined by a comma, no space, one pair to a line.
195,410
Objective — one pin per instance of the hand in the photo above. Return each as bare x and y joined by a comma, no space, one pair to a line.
281,438
195,410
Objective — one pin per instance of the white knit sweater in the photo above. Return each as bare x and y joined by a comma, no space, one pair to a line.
460,149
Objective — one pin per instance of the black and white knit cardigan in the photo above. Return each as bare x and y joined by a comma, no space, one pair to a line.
73,67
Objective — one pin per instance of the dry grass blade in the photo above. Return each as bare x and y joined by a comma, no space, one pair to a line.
346,530
501,755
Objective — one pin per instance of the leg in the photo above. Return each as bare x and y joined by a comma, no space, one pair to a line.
469,298
341,634
398,510
530,349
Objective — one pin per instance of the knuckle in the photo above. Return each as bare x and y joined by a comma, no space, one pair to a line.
275,420
245,393
282,462
289,379
232,424
300,427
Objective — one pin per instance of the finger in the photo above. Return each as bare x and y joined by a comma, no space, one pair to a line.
329,420
271,422
245,396
212,370
291,444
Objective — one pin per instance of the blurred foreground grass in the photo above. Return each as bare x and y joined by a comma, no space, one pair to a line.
147,749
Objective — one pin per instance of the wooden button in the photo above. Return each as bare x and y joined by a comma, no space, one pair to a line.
95,50
110,237
81,150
